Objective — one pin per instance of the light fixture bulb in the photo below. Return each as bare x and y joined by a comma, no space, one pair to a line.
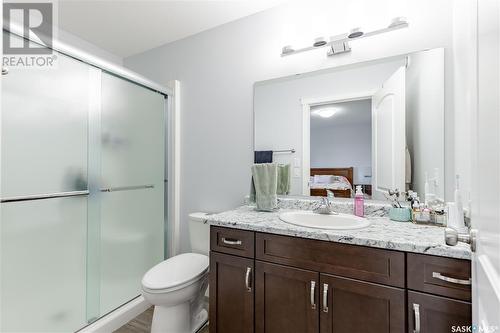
320,41
355,33
325,112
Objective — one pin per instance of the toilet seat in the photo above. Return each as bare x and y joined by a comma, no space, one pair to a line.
175,273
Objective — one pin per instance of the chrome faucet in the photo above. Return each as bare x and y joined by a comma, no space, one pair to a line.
324,207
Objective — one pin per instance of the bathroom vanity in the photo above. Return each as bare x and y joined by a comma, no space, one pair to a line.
269,276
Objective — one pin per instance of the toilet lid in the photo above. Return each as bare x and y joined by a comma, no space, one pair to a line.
176,271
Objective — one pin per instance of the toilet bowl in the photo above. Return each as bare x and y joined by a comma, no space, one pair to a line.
176,287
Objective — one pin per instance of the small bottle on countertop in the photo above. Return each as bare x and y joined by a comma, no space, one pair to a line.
359,202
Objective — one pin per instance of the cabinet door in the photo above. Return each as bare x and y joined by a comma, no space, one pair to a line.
286,299
435,314
348,305
231,294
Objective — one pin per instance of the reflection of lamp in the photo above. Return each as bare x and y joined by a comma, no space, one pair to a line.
325,112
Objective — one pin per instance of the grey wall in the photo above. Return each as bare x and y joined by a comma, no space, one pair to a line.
217,70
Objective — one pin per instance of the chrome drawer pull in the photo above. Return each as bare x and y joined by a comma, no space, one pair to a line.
230,241
416,312
441,277
247,279
313,301
325,297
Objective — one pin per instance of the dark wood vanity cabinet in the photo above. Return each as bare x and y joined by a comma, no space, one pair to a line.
439,293
286,299
231,294
349,305
436,314
266,283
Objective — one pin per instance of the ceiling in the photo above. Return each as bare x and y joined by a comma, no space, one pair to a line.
353,112
126,28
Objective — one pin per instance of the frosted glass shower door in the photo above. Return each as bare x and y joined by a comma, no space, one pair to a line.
132,198
43,216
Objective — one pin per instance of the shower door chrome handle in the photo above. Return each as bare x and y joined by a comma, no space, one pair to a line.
45,196
416,312
127,188
313,298
247,279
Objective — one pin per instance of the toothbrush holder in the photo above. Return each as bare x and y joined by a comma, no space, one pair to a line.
400,214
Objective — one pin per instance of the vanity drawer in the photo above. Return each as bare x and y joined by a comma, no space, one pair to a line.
438,275
353,261
232,241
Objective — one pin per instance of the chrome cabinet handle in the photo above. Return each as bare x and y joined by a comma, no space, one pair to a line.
439,276
313,301
416,312
247,279
230,241
325,297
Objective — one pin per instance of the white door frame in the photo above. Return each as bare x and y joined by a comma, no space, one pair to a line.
486,163
307,103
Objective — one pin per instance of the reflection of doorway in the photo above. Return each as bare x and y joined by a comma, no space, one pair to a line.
341,146
310,122
388,153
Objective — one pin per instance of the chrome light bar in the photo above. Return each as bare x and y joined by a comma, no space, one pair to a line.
340,43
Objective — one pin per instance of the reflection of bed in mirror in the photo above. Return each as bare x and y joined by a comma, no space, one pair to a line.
341,187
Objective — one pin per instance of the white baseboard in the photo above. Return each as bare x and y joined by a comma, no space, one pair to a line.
119,317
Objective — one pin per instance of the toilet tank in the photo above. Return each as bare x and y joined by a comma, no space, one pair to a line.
199,233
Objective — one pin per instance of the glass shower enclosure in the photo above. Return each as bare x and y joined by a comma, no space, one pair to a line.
82,194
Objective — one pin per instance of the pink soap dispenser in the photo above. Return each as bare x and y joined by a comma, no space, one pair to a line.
359,202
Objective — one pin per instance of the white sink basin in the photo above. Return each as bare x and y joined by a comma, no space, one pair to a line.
320,221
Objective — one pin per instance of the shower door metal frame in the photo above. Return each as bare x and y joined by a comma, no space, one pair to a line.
94,61
94,191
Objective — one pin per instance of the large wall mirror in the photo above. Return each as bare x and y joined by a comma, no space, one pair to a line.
378,124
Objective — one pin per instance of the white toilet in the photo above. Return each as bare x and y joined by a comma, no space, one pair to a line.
176,287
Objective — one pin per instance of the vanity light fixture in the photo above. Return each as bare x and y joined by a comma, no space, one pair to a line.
325,112
340,43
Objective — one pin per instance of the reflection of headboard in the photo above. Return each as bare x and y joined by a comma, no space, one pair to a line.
346,172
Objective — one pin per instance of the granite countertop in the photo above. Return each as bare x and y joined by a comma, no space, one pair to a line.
382,233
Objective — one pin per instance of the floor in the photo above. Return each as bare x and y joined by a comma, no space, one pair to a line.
142,324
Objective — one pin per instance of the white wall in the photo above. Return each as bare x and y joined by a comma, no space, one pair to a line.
340,146
425,119
217,69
